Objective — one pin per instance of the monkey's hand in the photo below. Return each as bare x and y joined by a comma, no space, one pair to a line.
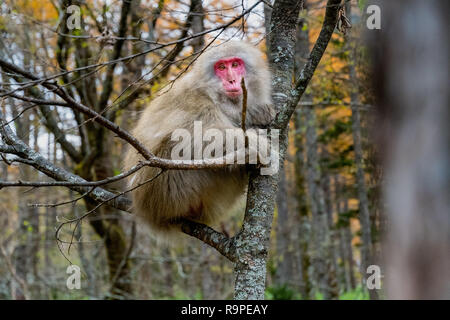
262,152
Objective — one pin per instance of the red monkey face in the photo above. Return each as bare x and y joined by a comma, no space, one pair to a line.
230,71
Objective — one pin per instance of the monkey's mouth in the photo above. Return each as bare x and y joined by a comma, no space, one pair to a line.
233,93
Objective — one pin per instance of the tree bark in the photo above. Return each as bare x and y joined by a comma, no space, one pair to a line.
332,250
345,234
251,243
197,24
284,257
364,214
320,231
411,80
303,211
22,257
253,240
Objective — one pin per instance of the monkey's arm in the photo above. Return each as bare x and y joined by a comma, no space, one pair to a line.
238,146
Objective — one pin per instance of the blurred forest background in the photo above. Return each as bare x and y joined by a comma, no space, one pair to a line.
329,213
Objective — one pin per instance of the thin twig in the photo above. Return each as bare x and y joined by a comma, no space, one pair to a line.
244,104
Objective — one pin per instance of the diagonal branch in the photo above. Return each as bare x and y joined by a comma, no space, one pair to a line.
37,101
82,108
330,21
97,183
211,237
36,160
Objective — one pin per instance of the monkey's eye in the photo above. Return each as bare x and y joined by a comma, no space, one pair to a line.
221,66
235,64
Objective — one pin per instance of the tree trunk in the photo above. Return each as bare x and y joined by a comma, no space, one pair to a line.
411,80
197,24
284,257
348,239
110,229
333,252
22,259
316,199
364,214
320,230
303,212
87,265
252,242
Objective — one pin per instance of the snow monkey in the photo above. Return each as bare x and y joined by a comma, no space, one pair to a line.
210,94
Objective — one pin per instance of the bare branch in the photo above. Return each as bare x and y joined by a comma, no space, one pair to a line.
211,237
244,104
36,160
37,101
98,183
331,17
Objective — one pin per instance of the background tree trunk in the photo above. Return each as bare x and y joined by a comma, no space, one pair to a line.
284,257
304,222
364,214
411,77
197,24
21,255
